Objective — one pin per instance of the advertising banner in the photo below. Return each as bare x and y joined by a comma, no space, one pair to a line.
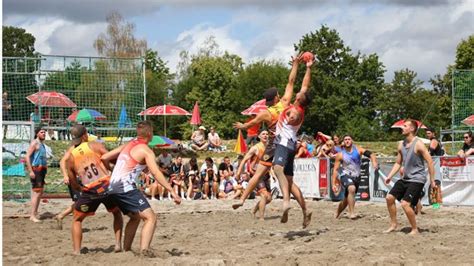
363,193
455,169
307,176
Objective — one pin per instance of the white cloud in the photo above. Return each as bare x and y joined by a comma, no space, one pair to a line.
58,36
419,35
76,39
193,39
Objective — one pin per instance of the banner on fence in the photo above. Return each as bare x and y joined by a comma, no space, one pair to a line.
455,169
457,179
307,176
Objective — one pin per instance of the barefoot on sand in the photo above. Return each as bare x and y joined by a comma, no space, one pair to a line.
35,220
284,217
59,222
254,212
307,219
390,229
237,205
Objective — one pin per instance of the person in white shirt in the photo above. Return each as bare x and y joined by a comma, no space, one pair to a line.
215,142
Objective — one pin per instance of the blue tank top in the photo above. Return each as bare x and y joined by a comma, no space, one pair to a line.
38,158
351,162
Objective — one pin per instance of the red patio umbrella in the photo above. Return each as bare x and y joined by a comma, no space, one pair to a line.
50,99
165,110
400,123
469,120
196,118
255,108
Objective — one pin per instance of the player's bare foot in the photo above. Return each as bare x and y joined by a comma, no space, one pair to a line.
237,205
353,216
117,248
414,232
254,211
337,215
391,229
307,219
34,219
59,222
286,209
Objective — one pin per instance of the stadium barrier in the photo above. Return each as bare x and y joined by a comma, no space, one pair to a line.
456,176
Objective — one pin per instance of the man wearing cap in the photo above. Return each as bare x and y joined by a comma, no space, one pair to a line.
132,158
37,167
88,175
199,139
270,117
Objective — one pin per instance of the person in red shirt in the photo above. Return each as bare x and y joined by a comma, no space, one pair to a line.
252,132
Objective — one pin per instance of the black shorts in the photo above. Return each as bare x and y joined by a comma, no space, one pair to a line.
285,157
131,202
87,204
407,191
347,181
73,193
37,183
269,153
264,183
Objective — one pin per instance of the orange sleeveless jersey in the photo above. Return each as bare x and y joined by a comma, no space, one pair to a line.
256,158
92,173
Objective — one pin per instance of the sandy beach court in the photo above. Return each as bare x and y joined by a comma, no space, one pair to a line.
211,233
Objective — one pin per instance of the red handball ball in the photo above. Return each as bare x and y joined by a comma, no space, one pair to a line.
307,57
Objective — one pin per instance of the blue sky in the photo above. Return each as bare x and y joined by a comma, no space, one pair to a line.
419,35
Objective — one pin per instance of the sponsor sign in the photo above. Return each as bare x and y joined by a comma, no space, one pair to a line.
307,176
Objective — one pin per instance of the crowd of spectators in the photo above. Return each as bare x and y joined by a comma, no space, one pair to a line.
210,180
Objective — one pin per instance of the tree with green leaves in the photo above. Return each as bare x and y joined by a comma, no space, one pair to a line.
344,86
19,43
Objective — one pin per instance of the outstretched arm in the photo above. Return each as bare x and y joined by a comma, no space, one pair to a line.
111,156
291,81
307,77
261,117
